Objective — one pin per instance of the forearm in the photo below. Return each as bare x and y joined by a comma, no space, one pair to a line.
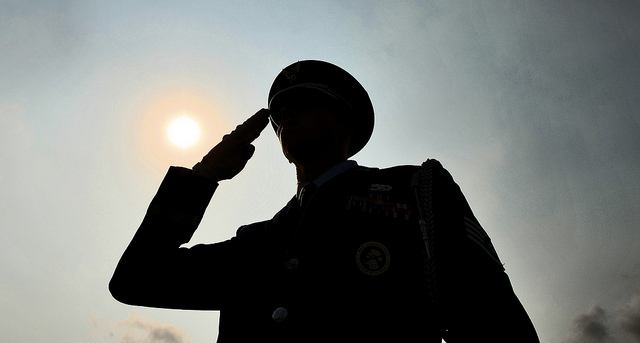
154,264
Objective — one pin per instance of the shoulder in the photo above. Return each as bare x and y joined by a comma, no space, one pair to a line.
389,171
251,231
430,165
386,181
402,168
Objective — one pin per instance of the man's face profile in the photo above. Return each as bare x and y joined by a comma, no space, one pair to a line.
309,120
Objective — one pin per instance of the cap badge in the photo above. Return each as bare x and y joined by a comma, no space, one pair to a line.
292,74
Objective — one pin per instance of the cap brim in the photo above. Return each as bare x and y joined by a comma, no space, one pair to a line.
333,81
289,91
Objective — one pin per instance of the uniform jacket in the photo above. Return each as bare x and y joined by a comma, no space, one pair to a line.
351,266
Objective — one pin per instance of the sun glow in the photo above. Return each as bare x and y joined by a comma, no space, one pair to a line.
176,128
184,132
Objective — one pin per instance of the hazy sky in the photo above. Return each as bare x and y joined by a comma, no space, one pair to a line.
533,106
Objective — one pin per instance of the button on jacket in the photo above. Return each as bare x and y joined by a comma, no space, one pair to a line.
349,265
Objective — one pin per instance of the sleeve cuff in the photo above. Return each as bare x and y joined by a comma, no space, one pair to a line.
183,196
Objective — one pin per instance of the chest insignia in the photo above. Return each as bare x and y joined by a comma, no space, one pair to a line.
380,188
373,258
378,206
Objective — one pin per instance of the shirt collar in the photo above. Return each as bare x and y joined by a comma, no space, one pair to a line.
329,174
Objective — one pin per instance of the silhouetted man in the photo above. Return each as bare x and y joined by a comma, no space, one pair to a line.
358,255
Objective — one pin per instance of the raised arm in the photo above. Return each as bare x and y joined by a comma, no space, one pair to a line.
154,271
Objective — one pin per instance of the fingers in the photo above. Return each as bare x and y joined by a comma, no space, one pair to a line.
248,131
229,157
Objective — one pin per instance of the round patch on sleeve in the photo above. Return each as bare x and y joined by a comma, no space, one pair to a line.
373,258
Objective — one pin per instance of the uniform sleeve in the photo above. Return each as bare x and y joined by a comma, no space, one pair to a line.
477,299
154,270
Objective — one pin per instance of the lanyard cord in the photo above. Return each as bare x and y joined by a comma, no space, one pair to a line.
422,184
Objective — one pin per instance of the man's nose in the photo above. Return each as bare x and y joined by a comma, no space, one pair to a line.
287,112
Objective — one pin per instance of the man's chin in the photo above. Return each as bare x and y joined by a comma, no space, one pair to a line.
296,151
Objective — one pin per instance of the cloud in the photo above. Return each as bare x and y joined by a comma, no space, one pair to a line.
629,319
146,330
137,329
590,327
596,326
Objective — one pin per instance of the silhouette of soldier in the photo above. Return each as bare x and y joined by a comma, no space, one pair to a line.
358,255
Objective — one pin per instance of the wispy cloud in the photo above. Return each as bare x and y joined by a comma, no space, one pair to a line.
598,325
138,329
590,326
629,319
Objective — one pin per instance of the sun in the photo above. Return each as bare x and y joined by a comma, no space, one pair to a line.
184,132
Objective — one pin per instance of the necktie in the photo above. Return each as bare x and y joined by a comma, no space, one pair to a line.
305,195
294,219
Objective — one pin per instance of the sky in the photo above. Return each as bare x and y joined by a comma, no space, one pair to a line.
533,106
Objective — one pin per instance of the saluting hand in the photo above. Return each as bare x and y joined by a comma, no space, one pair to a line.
229,157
